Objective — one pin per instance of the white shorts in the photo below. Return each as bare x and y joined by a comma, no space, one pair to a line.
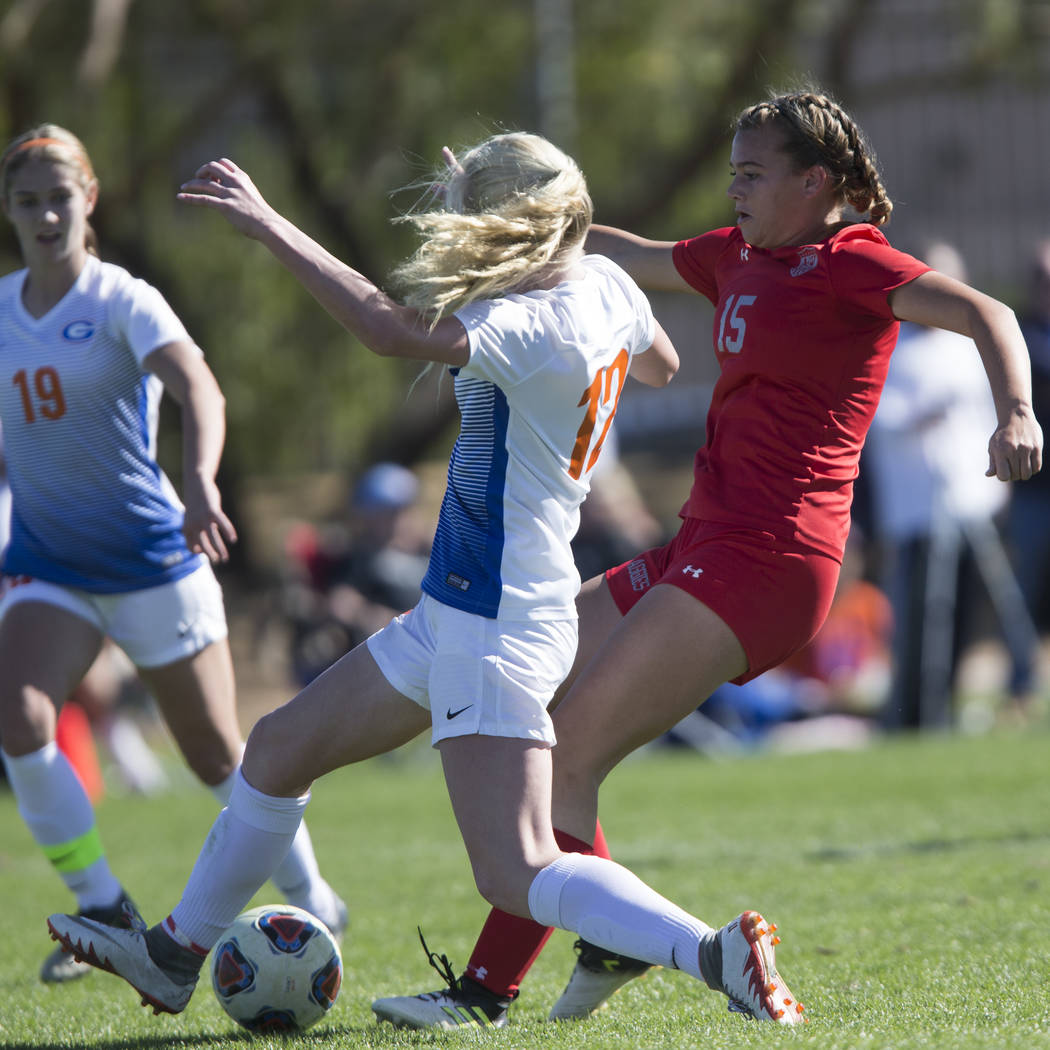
476,675
155,626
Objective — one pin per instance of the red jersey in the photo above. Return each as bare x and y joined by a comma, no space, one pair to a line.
803,337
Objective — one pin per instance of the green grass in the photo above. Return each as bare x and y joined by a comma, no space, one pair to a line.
910,882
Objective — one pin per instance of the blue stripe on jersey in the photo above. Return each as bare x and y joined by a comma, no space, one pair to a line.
467,556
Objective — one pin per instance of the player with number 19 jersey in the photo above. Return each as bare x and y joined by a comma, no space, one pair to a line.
91,508
803,337
536,398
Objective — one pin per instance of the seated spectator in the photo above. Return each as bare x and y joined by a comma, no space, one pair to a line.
350,580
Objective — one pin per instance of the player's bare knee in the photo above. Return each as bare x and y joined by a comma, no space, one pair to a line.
211,761
500,894
28,718
269,761
504,882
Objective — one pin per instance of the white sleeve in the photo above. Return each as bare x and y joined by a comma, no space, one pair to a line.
142,315
508,340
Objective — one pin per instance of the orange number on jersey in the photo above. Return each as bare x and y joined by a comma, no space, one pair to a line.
48,391
603,393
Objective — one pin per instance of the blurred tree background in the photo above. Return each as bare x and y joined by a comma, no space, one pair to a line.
332,105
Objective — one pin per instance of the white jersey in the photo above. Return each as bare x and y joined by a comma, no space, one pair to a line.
91,507
537,398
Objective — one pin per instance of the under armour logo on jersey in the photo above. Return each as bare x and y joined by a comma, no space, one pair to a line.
744,253
695,572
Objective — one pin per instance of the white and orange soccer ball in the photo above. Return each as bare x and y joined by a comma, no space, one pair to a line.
276,969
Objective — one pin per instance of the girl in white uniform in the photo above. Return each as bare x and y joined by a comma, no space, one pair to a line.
100,544
540,339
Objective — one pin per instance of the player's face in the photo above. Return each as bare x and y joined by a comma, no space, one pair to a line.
49,208
774,203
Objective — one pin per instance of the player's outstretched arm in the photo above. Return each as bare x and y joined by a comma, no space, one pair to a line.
1015,450
387,328
649,262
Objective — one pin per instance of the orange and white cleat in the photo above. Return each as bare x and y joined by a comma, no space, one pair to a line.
749,972
124,953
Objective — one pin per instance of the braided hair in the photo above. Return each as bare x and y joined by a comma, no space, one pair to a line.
816,130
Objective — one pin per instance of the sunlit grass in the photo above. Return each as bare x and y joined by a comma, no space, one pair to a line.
910,882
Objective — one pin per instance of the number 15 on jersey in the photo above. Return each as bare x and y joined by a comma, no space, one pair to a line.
731,325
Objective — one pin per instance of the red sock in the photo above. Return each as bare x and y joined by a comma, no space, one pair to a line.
508,944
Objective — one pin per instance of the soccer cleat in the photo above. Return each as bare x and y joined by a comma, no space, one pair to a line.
463,1004
123,952
599,974
749,973
61,966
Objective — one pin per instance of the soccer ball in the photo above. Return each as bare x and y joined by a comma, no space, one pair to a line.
276,969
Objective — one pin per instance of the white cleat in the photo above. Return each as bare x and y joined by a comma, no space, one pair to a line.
598,974
749,972
61,966
124,953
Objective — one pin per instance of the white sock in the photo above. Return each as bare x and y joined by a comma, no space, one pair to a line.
608,905
298,876
60,817
249,838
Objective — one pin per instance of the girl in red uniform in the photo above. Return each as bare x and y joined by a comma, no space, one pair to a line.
807,304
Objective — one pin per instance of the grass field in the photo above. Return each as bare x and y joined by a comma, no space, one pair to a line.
910,882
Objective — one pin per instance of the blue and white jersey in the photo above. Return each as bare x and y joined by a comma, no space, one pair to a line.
91,507
536,399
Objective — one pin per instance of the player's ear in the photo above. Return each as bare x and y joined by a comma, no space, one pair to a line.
815,179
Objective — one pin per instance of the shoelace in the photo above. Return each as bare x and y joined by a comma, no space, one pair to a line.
441,964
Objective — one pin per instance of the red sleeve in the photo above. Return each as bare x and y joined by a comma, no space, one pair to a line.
864,269
695,259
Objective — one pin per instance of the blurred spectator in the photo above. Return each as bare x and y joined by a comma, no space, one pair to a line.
1029,517
934,513
352,578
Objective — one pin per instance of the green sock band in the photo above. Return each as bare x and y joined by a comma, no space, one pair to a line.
76,854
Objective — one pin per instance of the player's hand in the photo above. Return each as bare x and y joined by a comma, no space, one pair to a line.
205,526
225,188
1015,451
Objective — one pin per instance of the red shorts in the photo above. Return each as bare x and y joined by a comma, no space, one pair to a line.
773,596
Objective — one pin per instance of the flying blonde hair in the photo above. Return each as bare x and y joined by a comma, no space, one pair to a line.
516,211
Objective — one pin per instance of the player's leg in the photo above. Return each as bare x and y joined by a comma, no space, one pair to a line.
349,713
508,945
669,652
45,649
518,867
663,658
457,1007
177,636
